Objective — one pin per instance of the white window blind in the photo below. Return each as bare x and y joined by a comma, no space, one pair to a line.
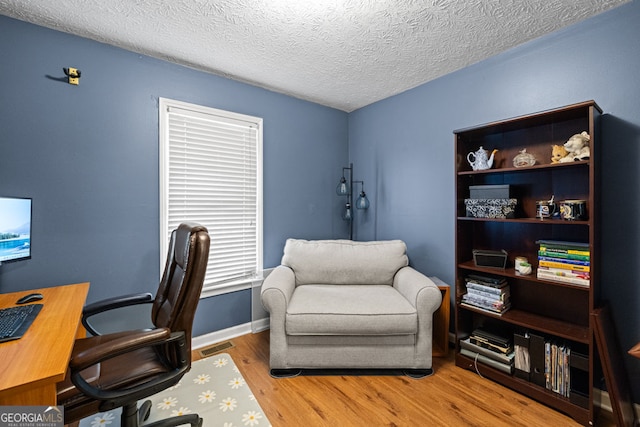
211,163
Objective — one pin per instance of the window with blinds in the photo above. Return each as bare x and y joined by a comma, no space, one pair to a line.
211,173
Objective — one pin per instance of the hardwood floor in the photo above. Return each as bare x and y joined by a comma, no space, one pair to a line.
451,397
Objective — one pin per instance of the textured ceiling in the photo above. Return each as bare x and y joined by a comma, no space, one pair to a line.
340,53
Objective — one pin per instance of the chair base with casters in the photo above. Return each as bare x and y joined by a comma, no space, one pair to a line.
132,416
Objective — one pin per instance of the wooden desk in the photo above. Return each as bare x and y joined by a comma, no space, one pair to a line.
31,366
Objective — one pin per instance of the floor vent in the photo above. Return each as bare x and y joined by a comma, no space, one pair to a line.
216,348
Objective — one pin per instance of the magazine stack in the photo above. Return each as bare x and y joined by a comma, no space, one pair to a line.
557,373
567,262
487,294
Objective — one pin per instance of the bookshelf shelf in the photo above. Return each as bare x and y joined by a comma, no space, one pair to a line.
527,169
537,221
510,273
557,328
554,310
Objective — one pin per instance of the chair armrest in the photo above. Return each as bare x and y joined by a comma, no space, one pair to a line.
102,347
117,344
111,304
421,291
116,302
277,289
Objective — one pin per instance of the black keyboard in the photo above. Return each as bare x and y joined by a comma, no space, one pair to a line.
14,321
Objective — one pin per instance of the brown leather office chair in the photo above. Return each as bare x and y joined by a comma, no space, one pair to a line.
118,369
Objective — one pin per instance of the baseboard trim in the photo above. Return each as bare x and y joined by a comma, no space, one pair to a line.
219,336
605,402
260,325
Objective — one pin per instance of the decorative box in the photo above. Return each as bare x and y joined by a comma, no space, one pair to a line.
486,258
491,208
502,191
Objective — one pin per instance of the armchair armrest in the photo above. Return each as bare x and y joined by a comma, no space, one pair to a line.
421,292
111,304
277,289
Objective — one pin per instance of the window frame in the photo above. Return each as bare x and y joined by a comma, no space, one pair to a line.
164,105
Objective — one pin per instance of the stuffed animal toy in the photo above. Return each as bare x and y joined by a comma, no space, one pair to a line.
577,148
557,153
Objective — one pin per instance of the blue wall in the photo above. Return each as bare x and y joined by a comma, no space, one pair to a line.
88,156
403,146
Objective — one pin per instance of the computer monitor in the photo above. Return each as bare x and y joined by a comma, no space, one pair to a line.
15,229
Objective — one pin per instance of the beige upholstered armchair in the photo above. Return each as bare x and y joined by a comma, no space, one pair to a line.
345,304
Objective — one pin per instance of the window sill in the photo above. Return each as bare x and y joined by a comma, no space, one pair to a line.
230,287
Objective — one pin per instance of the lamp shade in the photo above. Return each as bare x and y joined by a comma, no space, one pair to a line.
343,187
362,202
348,214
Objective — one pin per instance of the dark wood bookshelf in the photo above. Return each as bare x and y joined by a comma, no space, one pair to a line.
556,310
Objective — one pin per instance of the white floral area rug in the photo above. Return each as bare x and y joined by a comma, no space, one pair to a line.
213,388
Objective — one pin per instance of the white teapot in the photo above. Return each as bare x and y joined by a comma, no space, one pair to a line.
481,159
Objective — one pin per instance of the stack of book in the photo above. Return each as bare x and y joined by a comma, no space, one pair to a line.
489,348
567,262
487,293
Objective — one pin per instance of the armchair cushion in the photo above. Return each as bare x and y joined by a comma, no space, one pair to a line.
350,310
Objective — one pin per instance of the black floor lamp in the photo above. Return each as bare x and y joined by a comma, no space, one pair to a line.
345,188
